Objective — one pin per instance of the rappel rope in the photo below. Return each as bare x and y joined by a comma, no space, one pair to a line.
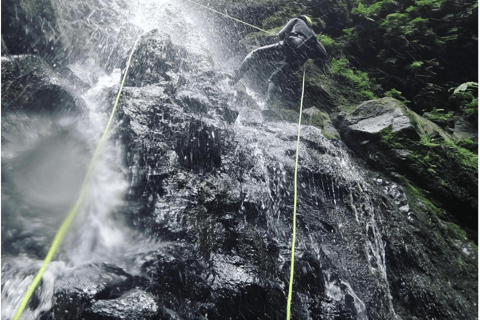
294,231
73,212
294,222
230,17
66,224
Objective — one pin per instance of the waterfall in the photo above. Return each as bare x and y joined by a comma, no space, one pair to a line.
188,214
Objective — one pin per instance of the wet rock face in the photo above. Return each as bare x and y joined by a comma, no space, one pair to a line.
29,83
30,28
395,140
219,187
212,181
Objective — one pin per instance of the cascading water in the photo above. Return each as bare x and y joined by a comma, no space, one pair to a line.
45,156
189,209
44,161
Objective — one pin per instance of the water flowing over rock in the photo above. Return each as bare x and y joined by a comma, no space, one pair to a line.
394,139
30,27
28,82
221,190
210,202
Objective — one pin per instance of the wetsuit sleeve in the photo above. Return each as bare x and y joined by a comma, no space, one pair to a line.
319,54
318,51
287,29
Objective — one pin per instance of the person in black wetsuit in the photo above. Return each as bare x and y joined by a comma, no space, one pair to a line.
298,43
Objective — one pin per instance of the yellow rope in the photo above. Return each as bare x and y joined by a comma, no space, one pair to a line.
235,19
294,231
73,211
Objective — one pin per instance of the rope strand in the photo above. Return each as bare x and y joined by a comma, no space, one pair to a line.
294,223
230,17
62,231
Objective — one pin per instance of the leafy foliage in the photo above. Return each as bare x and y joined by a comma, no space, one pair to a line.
413,50
359,80
417,51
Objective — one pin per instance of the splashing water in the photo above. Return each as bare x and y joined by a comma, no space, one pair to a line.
44,161
45,156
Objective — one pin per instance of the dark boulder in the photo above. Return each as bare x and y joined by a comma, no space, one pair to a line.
219,190
397,141
29,83
30,28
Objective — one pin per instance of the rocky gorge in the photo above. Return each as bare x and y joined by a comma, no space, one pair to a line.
201,218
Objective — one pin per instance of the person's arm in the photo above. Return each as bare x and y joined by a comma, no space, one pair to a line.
319,55
287,29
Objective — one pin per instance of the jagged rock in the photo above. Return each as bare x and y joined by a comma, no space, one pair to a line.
133,305
223,193
393,140
78,289
320,119
213,194
29,83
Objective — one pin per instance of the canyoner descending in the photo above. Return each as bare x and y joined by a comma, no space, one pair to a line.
201,206
297,44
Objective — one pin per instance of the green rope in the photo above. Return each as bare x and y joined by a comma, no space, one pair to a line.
294,231
62,231
235,19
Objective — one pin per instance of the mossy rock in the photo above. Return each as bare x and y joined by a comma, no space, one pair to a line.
399,142
314,117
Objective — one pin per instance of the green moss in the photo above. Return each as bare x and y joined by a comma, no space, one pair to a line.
326,40
394,19
348,31
417,194
439,116
468,144
468,158
390,140
317,120
394,93
327,135
411,9
372,9
356,78
416,64
273,21
456,231
431,3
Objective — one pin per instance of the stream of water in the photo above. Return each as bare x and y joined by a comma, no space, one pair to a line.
45,157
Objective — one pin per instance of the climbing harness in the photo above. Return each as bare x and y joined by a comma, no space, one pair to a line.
62,231
294,222
235,19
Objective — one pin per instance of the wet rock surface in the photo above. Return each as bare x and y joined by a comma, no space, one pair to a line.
219,187
395,140
29,83
30,28
212,181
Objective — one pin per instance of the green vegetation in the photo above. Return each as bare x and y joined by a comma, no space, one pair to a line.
412,50
439,117
372,9
417,194
359,80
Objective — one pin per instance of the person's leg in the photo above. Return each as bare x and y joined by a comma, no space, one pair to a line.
270,52
282,76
